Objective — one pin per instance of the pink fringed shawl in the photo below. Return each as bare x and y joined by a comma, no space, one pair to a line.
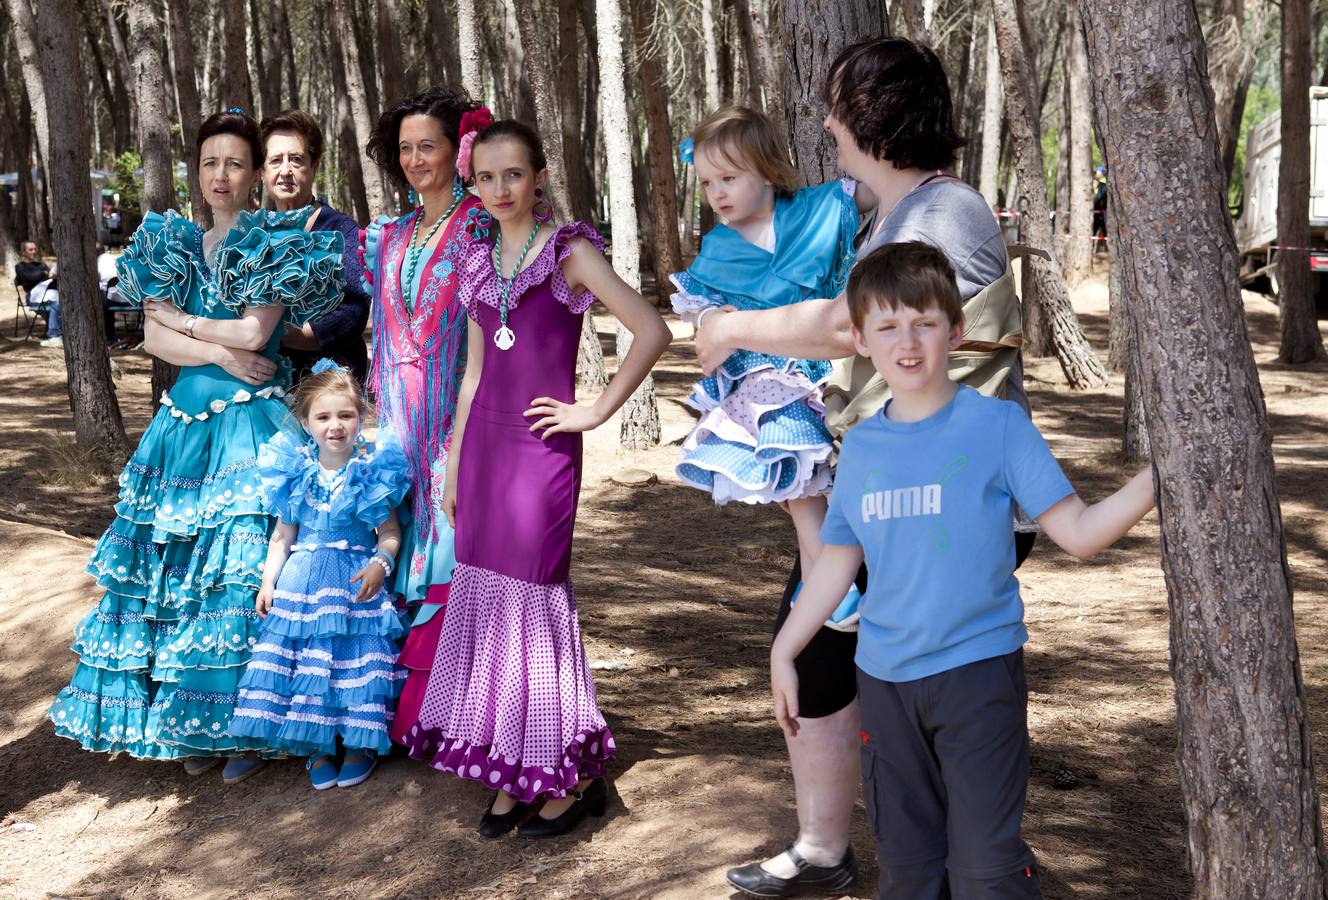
419,351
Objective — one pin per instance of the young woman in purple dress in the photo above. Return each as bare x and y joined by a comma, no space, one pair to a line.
510,701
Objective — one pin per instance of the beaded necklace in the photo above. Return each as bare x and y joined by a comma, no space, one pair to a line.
413,258
504,337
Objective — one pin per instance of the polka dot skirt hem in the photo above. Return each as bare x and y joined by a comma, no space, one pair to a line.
584,757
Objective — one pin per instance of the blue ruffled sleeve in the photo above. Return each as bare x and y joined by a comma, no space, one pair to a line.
370,240
269,258
376,483
285,469
159,264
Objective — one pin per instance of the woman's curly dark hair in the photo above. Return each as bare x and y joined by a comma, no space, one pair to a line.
894,98
446,104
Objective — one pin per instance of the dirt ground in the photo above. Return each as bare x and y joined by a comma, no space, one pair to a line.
678,595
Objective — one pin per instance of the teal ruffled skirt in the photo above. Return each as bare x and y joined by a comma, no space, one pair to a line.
161,655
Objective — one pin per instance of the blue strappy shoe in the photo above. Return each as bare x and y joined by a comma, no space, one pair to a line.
322,771
359,765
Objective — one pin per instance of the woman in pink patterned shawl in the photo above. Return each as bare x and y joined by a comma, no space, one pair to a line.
419,340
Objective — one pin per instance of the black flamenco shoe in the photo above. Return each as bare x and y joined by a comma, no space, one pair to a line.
493,826
593,800
756,881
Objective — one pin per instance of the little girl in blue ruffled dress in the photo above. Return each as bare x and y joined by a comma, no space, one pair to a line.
761,437
325,669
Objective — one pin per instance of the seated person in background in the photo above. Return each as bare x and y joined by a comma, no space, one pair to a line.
30,270
108,280
34,277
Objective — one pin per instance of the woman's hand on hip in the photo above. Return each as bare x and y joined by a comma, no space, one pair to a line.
556,416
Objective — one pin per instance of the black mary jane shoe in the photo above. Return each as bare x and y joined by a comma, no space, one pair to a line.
493,826
756,881
593,800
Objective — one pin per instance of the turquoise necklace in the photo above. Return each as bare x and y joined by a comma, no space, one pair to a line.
413,258
504,337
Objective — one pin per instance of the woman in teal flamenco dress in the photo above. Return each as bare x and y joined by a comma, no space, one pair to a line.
161,655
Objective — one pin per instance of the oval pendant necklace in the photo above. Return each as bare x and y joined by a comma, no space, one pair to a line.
504,337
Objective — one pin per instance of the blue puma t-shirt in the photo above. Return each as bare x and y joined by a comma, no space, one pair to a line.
932,505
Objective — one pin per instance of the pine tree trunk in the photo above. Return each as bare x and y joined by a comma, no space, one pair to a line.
1118,322
233,89
710,56
1300,339
914,21
992,106
122,63
769,74
22,27
97,424
1079,248
154,137
351,159
362,117
292,93
186,95
814,32
389,52
1246,768
663,177
444,61
468,46
1224,40
547,109
640,414
579,193
1077,360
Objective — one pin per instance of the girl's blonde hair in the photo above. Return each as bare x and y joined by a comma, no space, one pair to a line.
328,381
748,139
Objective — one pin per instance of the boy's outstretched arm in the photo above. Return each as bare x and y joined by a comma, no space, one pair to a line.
1083,531
821,592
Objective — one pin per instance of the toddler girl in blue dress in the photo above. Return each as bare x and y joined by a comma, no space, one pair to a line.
761,437
325,669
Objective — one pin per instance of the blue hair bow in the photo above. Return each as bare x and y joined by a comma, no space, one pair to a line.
687,150
237,109
327,365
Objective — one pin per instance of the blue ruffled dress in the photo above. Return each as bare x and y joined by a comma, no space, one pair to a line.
761,437
325,666
161,655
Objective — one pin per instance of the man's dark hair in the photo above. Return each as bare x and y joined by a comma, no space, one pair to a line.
228,122
446,104
296,121
894,98
911,274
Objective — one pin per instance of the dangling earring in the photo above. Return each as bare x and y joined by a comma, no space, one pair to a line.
458,187
410,197
543,209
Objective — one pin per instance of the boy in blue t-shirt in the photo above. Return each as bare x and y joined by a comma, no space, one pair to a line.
925,491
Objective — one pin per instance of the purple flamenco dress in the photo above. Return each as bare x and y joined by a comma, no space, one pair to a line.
510,701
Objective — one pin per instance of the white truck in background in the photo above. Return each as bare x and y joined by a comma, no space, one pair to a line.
1256,228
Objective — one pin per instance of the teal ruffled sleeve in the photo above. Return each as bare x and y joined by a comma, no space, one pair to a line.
269,258
370,239
374,482
286,468
159,264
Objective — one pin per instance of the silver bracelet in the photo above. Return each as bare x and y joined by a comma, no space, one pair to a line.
700,317
189,322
